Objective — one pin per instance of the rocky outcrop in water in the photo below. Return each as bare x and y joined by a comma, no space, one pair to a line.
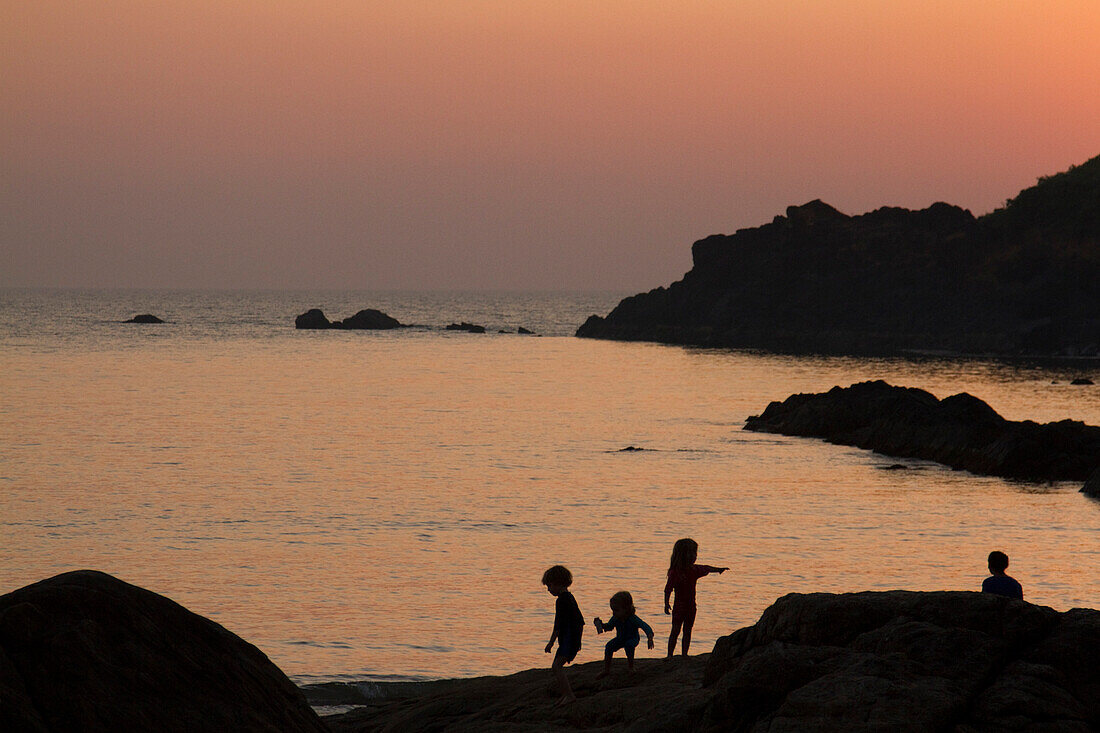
1023,280
892,661
464,326
960,431
367,319
144,318
84,651
1092,486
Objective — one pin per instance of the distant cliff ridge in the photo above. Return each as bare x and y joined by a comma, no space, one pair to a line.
1022,280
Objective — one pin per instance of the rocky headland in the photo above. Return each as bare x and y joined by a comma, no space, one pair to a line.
1022,280
960,431
85,651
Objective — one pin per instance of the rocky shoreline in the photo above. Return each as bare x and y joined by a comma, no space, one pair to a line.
86,651
960,431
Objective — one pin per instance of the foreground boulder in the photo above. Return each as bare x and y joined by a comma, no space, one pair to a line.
960,431
906,661
893,661
144,318
85,651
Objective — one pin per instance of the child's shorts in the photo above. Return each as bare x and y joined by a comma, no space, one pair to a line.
685,616
615,644
567,653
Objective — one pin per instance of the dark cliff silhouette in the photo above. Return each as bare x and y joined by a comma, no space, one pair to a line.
1022,280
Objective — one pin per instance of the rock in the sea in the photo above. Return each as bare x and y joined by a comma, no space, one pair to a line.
84,651
960,431
367,319
889,661
523,330
1081,381
144,318
312,319
471,327
370,319
1092,486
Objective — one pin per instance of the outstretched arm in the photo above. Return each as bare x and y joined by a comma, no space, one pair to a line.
648,631
713,569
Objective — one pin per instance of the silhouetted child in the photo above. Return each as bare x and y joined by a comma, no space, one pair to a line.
999,582
626,624
568,626
683,573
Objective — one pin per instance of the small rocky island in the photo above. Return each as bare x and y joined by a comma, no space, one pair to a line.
367,319
86,651
1022,280
144,318
960,431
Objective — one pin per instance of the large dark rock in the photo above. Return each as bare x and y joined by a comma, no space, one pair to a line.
84,651
370,319
367,319
1022,280
907,661
314,318
144,318
893,661
960,431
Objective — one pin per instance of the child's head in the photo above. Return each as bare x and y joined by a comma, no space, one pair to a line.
684,553
557,578
998,561
622,604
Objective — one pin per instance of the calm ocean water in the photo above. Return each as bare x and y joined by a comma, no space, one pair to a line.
381,505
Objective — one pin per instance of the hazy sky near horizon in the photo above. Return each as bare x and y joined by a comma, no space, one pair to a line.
505,144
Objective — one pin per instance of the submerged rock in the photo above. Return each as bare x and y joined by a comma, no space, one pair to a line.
960,431
144,318
471,327
84,651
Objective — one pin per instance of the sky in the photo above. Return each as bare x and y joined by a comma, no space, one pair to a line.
504,144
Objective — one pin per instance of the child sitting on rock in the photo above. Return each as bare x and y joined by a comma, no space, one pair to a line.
999,582
626,624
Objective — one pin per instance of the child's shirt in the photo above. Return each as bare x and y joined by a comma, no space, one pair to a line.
1003,585
568,621
683,582
627,628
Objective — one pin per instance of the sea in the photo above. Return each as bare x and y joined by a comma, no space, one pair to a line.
379,506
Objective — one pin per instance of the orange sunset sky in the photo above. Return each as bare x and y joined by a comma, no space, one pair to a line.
504,144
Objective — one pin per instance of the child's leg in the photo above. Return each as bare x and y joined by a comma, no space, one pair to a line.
676,623
607,652
563,682
689,622
630,658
